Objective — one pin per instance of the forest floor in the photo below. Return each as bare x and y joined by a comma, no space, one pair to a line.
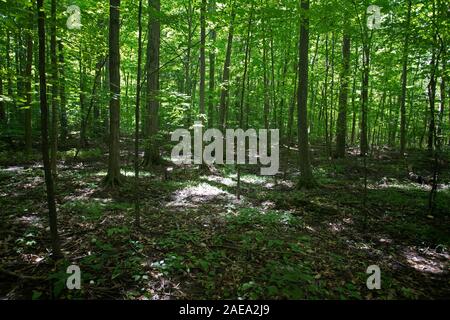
198,241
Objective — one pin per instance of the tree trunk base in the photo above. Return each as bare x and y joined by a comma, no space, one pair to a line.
113,182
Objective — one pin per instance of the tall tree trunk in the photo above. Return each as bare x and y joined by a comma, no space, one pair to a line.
354,108
137,120
83,141
28,80
154,31
333,46
226,74
364,145
202,58
325,91
404,83
54,73
306,177
241,103
188,77
212,69
113,178
343,97
2,103
44,131
62,93
266,81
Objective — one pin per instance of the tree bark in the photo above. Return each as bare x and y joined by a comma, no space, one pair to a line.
44,131
62,94
212,69
54,73
152,155
404,83
343,97
28,80
226,74
306,177
202,58
113,178
137,120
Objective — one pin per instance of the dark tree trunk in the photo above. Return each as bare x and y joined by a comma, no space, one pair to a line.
44,131
212,69
306,177
154,31
404,83
137,120
202,58
54,73
343,97
62,93
113,178
226,74
364,147
28,80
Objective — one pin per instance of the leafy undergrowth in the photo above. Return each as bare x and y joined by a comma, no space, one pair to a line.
198,241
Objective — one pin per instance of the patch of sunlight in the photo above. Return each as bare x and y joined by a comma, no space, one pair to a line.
336,227
32,220
101,173
222,180
250,178
428,261
12,169
81,194
408,186
268,205
124,172
385,240
194,196
31,258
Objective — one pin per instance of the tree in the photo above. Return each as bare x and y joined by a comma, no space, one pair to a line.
212,68
306,177
343,97
137,118
55,90
28,80
44,132
113,177
404,83
226,74
152,155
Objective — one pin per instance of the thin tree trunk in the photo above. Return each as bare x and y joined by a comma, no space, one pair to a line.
113,178
226,73
306,177
28,90
202,58
154,32
54,73
44,131
404,83
241,104
137,120
365,99
343,97
212,69
62,94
